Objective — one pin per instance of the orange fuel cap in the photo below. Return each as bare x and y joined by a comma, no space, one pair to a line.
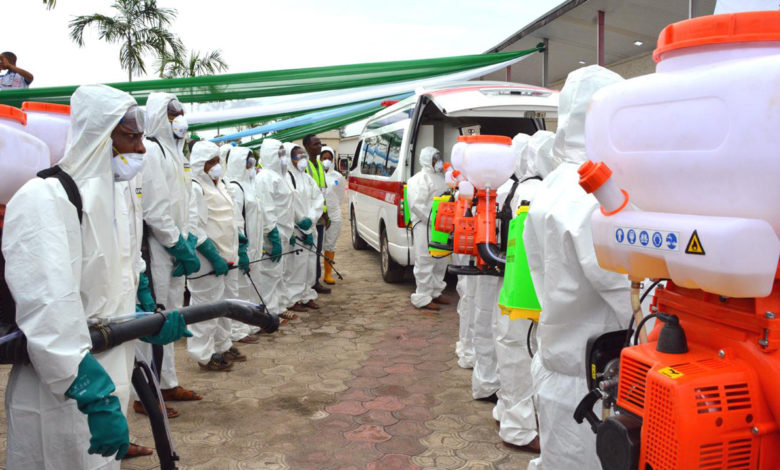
14,114
750,26
594,175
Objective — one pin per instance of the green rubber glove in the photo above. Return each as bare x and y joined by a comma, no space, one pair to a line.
107,425
192,240
292,240
276,245
185,255
309,239
144,294
209,250
305,224
173,329
243,256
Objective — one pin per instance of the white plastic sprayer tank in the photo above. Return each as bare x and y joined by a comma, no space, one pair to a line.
701,135
49,122
488,160
695,145
22,155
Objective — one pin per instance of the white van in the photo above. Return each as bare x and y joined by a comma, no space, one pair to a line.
390,144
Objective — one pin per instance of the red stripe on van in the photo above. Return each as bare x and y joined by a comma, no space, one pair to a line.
391,192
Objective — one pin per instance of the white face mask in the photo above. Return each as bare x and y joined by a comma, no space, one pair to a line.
439,166
215,172
302,165
285,163
252,173
327,164
127,165
179,126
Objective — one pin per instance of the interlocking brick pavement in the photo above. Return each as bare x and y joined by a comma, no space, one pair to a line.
367,382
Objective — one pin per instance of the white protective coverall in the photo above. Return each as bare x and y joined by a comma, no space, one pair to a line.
578,298
167,188
129,209
334,198
61,273
515,407
467,290
242,190
212,216
484,377
308,203
276,204
421,189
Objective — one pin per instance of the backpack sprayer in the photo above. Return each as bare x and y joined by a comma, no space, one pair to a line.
702,391
483,163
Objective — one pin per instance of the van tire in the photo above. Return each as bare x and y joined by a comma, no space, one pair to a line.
357,242
392,272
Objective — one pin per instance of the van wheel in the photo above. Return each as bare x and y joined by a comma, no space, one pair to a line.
392,272
357,242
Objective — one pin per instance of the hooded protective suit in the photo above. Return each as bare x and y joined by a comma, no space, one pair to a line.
61,273
276,204
245,204
484,378
421,189
515,408
467,290
212,217
308,203
578,298
334,198
166,182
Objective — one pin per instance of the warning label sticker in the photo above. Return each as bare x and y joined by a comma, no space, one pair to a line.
669,372
694,245
650,239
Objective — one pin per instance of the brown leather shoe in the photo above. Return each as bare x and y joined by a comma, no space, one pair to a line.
250,339
234,355
298,307
138,407
180,393
136,450
217,364
441,300
312,305
320,289
532,446
431,306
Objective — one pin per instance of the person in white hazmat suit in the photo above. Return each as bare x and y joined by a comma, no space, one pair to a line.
166,182
578,298
421,189
276,203
485,382
68,405
239,179
515,409
334,197
214,223
300,270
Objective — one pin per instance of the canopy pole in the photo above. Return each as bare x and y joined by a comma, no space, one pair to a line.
546,63
508,73
600,39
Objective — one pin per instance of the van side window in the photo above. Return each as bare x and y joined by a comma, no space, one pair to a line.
382,153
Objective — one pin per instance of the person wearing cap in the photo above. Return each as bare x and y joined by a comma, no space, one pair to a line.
167,190
66,408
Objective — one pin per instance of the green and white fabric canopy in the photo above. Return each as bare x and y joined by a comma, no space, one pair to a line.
238,86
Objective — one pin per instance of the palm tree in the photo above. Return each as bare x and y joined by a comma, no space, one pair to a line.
49,3
140,27
195,65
